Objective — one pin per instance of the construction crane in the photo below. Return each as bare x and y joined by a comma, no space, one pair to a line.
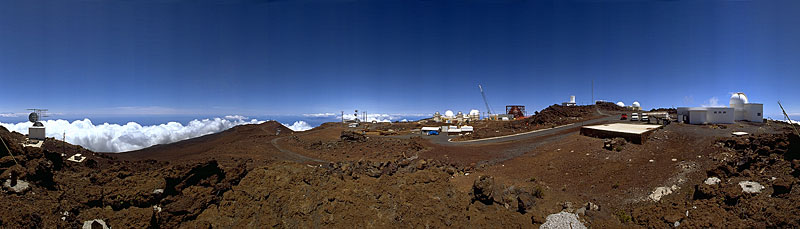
488,110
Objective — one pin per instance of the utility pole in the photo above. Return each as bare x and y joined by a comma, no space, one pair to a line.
342,116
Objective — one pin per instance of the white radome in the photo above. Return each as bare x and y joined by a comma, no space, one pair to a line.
636,104
474,112
448,113
620,104
738,98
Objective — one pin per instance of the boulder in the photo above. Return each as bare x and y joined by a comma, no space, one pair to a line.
483,189
352,136
615,144
712,181
661,192
525,201
592,207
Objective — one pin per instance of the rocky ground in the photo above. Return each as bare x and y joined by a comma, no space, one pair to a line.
684,175
153,194
753,183
353,145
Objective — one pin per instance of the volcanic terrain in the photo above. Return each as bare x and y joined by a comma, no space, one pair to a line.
265,175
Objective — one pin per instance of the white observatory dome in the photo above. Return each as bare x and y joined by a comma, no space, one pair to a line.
738,99
636,104
437,113
474,112
448,113
620,104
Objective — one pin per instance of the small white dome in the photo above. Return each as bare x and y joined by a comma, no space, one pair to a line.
738,98
448,113
636,104
474,112
620,104
437,113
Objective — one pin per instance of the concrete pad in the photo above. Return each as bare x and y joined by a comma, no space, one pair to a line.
76,158
636,133
95,223
33,143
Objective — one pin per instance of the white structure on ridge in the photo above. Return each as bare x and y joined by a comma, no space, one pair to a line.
740,110
474,114
571,101
37,130
635,106
449,117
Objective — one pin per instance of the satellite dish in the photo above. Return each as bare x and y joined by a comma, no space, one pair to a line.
33,117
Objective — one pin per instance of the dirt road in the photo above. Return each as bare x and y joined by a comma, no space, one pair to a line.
447,140
292,156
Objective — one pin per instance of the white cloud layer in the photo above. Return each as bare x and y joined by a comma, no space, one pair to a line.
299,126
383,117
131,136
789,121
320,115
235,117
12,115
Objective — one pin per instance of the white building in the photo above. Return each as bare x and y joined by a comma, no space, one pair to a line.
705,115
745,111
427,130
740,110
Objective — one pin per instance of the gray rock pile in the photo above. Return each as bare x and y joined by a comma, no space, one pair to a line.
562,220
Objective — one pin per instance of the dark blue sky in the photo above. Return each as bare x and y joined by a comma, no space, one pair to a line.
293,57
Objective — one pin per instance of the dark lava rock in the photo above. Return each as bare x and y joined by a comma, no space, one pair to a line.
352,136
483,189
525,201
615,144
